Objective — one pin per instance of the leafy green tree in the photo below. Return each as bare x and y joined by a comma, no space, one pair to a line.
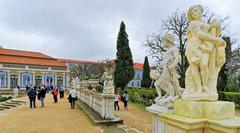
146,80
124,70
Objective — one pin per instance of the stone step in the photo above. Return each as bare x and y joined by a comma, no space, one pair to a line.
4,107
18,101
13,103
8,105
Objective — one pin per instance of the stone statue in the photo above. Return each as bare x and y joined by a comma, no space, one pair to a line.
108,87
75,83
166,76
205,52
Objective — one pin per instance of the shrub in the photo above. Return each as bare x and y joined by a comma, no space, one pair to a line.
143,96
99,88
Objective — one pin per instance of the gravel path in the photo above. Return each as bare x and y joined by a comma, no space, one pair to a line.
53,118
59,118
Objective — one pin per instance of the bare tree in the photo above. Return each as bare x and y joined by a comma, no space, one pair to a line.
91,70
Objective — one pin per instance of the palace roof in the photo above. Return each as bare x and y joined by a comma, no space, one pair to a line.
28,58
137,66
77,61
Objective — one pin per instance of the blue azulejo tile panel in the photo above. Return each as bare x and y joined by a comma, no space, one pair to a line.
26,79
3,79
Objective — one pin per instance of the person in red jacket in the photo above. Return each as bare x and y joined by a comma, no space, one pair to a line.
55,93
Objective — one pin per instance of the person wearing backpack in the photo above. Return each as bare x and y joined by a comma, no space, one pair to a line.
32,97
55,94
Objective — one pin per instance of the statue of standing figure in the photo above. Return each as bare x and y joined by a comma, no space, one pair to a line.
75,83
108,87
205,52
166,76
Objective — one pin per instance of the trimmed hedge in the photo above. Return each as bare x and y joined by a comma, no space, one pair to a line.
143,96
232,89
229,96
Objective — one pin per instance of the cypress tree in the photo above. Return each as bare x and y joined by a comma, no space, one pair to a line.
146,80
222,76
124,70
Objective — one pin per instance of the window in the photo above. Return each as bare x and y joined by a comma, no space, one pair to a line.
137,76
13,81
59,81
38,80
138,84
38,67
132,84
13,66
58,68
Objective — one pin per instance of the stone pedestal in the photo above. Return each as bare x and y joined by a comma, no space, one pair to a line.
213,110
158,126
197,117
101,103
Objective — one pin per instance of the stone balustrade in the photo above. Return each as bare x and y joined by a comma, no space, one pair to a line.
99,102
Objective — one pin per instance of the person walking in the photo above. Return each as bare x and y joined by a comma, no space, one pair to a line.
27,88
55,93
125,99
32,97
61,91
72,97
116,106
42,94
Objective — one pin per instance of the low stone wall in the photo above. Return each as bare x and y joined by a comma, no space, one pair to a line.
99,102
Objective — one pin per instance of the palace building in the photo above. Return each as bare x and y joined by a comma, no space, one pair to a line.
22,68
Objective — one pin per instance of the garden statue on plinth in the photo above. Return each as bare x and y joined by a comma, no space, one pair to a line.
205,51
166,76
75,83
108,86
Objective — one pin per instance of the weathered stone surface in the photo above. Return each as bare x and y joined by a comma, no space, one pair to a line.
213,110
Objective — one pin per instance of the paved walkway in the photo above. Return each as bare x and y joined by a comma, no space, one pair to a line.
53,118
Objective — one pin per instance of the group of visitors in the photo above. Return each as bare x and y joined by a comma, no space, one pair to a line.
40,93
124,98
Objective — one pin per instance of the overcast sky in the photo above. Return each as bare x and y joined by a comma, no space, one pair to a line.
87,29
